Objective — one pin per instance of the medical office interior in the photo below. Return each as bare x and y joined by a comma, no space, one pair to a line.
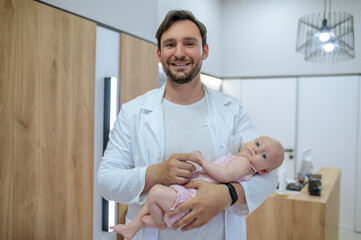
55,55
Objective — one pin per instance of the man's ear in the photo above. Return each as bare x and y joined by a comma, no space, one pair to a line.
205,52
158,54
264,171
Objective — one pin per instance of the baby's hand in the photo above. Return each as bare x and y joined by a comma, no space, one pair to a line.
198,158
197,154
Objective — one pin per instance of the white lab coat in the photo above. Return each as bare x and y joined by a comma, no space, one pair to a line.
138,139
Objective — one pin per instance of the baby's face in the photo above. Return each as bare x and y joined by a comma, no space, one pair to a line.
262,152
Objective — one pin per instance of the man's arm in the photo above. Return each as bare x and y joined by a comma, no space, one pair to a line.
175,170
256,190
211,199
116,170
241,196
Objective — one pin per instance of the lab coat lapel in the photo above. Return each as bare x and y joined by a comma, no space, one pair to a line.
155,117
220,120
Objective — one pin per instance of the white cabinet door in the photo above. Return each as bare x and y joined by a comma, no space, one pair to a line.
272,105
358,172
328,120
327,123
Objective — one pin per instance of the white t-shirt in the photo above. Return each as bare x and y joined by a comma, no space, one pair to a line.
186,130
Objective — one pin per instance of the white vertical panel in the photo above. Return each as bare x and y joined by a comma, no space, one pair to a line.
328,124
107,65
272,105
358,172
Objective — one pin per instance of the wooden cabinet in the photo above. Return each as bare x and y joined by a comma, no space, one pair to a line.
299,216
47,80
138,70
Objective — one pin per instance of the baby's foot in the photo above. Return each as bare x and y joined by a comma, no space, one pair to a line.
124,230
148,220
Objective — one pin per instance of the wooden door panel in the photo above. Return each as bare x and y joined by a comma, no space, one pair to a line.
51,78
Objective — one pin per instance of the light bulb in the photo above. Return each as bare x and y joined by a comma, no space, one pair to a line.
324,37
328,47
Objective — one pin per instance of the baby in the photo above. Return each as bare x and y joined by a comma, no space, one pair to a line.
260,156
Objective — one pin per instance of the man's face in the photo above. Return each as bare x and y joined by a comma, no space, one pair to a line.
181,52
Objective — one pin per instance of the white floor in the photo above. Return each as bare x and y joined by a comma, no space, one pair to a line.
347,234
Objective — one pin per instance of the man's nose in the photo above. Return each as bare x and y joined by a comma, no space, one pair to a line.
179,51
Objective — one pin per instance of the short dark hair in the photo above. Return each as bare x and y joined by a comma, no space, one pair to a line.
179,15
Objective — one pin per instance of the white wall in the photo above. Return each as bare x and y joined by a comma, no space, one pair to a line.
272,106
259,38
107,65
328,110
135,17
358,170
327,122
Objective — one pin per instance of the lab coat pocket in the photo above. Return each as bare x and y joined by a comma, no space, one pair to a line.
234,144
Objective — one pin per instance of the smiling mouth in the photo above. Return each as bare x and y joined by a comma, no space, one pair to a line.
179,64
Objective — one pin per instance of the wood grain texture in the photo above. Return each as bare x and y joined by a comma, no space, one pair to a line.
273,215
299,216
138,73
7,98
317,217
52,124
25,122
333,208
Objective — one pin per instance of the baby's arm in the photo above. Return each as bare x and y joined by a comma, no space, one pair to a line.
236,168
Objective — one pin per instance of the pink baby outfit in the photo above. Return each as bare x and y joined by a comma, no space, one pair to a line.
183,194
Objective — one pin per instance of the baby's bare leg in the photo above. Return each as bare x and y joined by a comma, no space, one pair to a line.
129,231
161,199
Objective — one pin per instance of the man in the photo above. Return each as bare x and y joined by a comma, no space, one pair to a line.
154,135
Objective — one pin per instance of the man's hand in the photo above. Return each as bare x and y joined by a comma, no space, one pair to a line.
175,170
210,200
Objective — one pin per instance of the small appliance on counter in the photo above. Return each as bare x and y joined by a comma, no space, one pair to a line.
315,184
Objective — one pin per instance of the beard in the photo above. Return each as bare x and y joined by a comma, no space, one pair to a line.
182,78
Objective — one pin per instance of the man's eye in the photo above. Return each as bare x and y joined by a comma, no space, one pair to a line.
257,144
190,44
264,155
